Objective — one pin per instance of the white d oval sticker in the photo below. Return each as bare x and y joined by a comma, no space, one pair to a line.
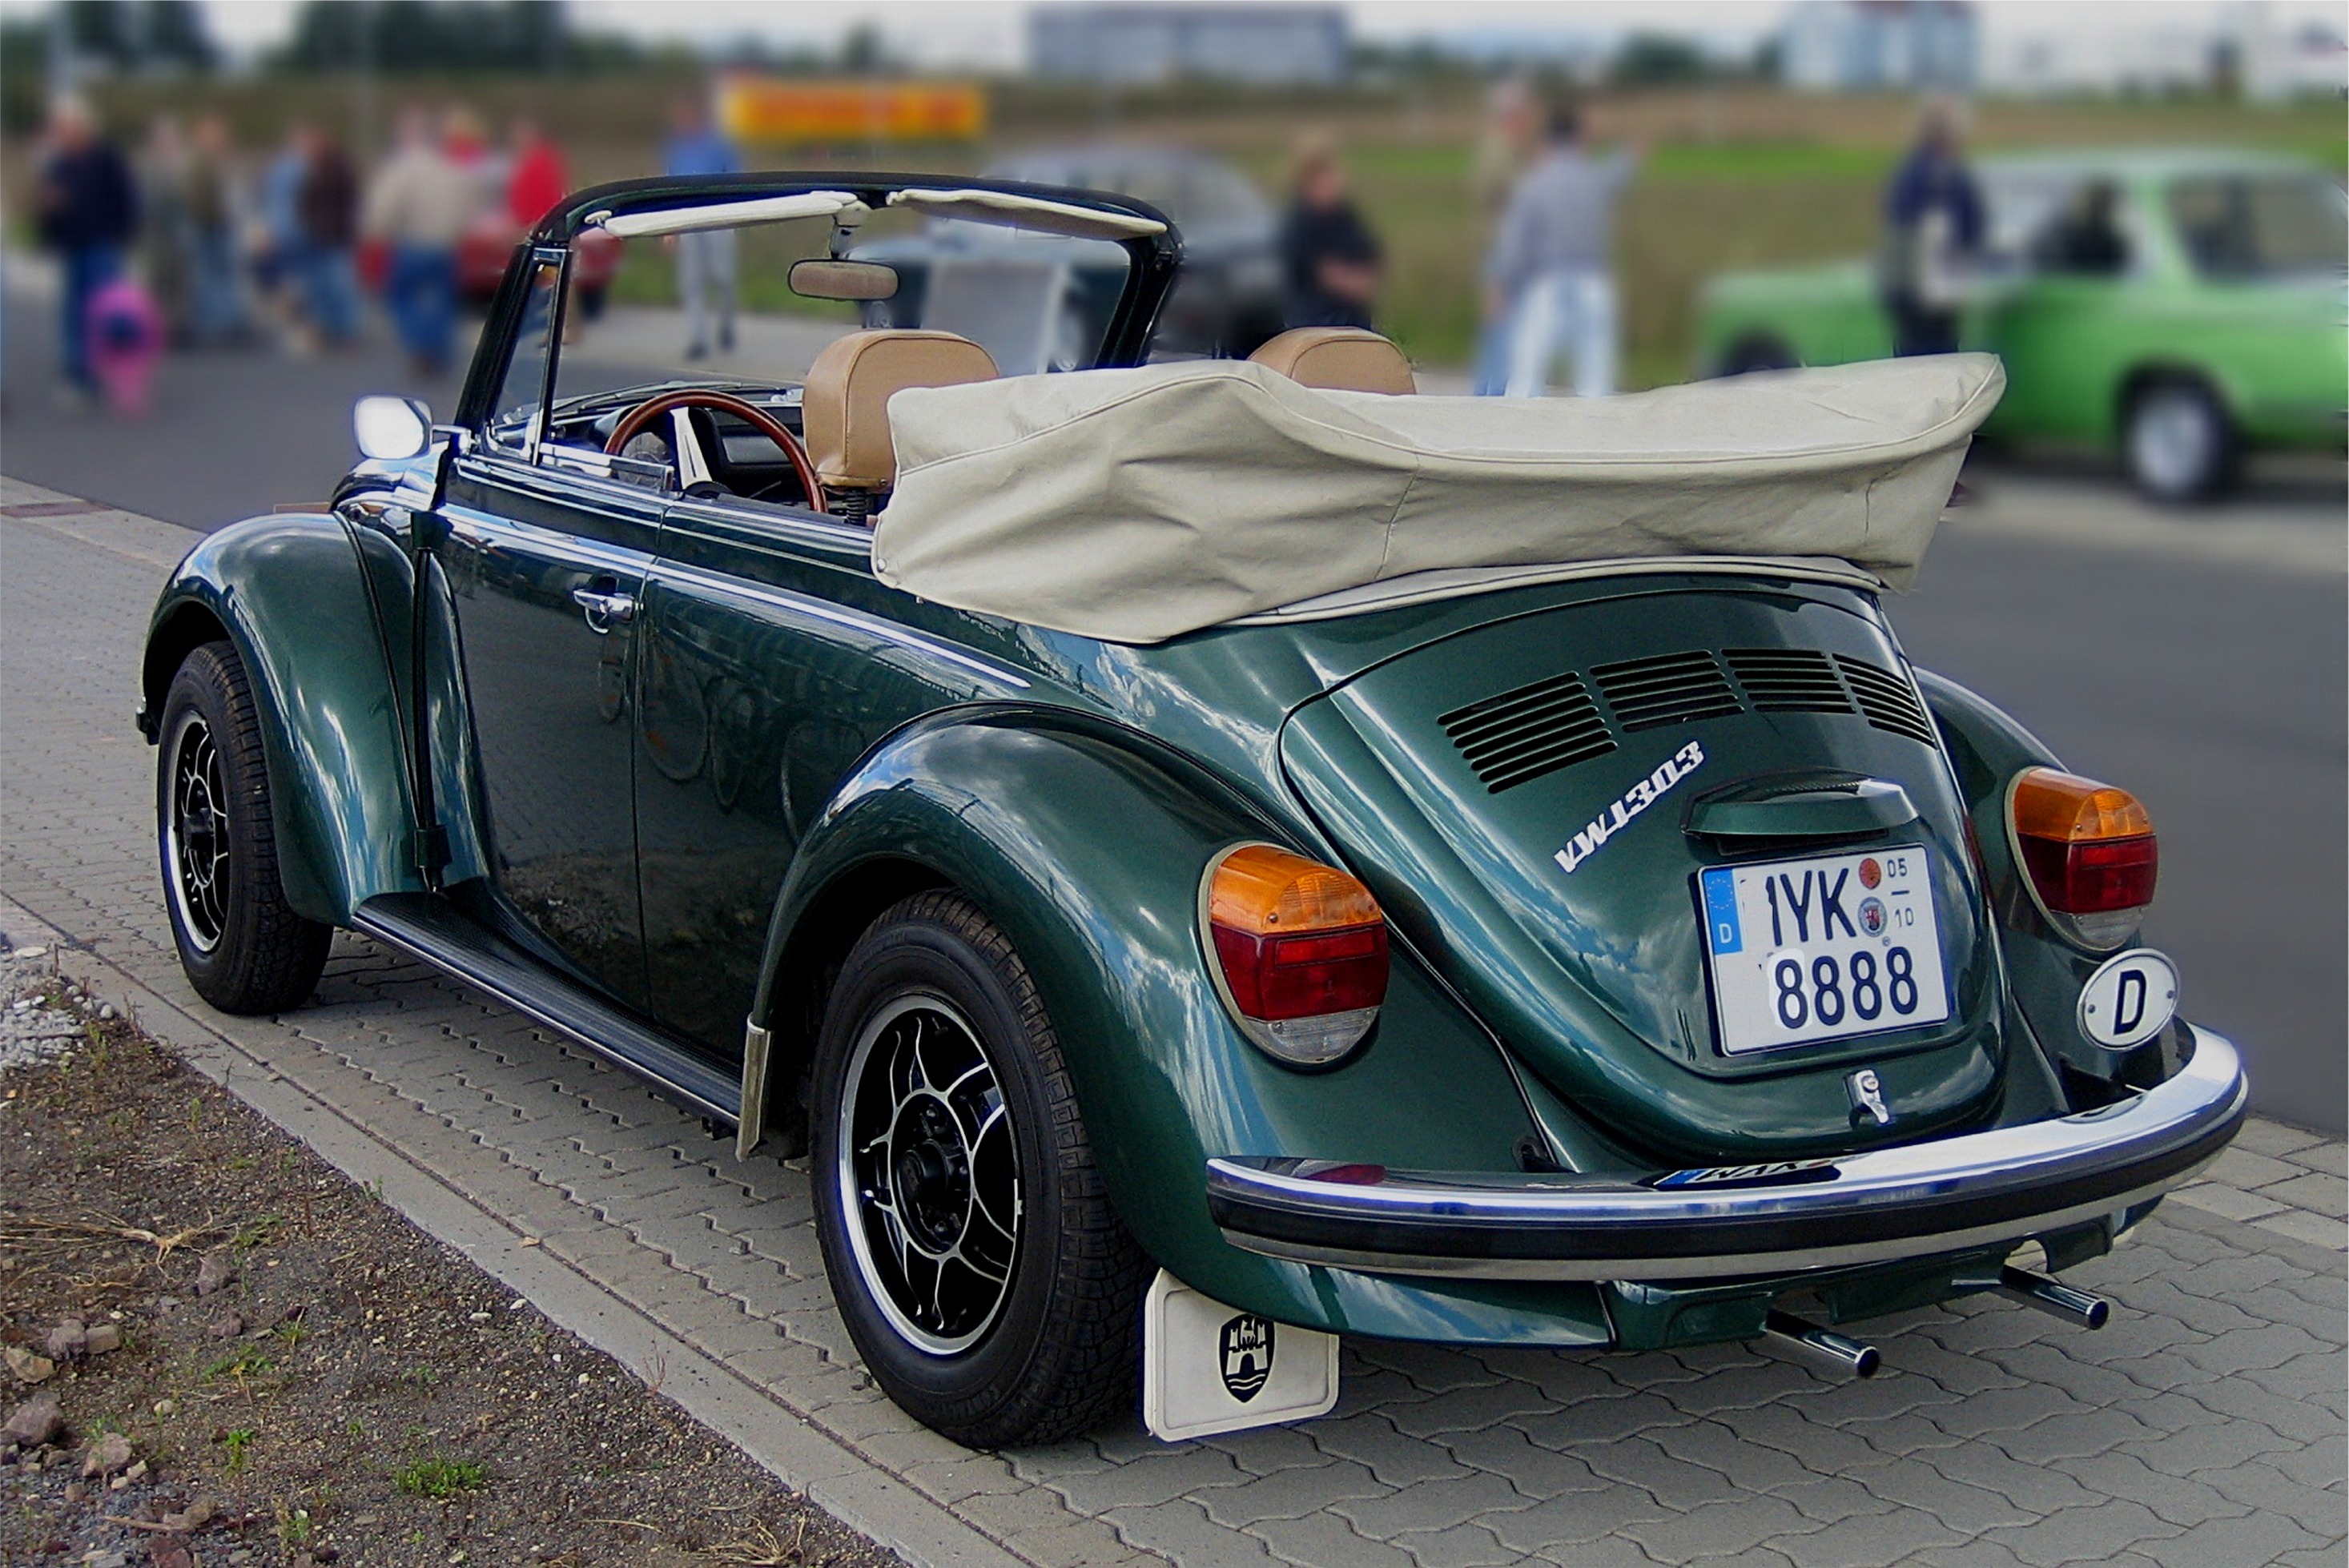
2129,999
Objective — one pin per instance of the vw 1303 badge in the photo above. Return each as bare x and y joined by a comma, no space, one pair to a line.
1635,799
1246,1345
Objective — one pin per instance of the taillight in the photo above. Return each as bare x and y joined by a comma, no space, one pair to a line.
2087,851
1300,949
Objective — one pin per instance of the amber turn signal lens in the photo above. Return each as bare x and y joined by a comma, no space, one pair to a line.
2088,848
1267,892
1301,949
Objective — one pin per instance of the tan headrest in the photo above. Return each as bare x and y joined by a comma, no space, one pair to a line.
844,411
1338,359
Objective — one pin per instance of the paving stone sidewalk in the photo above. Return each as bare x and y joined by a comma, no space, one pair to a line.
2204,1428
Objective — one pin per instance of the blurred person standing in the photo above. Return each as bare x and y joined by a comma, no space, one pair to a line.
1505,147
536,179
419,206
1550,277
216,305
706,259
87,209
1932,235
1328,257
277,254
167,242
328,207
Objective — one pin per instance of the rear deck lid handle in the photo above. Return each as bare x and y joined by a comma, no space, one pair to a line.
1814,810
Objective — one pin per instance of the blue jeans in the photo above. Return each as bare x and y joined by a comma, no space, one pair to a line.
86,269
420,292
331,290
1493,356
217,309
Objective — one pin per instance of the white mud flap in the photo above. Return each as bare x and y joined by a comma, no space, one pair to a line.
1208,1368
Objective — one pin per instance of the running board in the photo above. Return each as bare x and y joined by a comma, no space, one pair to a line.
426,926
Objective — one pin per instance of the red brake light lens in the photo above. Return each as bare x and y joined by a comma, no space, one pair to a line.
1302,948
2093,878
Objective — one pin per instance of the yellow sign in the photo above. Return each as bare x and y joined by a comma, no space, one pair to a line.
782,109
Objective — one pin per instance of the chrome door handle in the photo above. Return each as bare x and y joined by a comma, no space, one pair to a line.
603,608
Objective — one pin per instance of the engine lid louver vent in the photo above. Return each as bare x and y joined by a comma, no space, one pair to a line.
1521,735
1787,680
1670,688
1889,701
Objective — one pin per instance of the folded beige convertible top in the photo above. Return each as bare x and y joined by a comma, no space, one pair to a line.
1138,505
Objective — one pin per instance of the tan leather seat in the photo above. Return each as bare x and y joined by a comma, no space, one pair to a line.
1338,359
844,411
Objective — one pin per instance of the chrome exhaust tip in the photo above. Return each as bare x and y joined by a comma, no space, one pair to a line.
1824,1345
2055,1298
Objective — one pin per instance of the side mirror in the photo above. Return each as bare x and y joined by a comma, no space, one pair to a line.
816,278
390,429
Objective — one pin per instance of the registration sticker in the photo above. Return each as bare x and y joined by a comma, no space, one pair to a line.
1822,948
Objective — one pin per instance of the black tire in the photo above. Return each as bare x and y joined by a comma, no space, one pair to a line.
2177,443
1053,1348
1758,351
244,948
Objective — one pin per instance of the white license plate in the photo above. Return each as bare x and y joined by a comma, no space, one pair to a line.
1823,948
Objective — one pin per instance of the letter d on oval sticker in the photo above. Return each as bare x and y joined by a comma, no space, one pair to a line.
2129,999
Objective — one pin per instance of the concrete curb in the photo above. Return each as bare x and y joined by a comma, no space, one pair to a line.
854,1490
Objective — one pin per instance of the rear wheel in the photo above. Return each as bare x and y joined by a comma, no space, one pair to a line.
1758,351
991,1289
244,948
2177,443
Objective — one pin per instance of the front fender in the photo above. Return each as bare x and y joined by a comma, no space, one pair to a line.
291,592
2045,973
1086,842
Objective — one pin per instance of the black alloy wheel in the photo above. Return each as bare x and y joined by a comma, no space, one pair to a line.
990,1288
244,947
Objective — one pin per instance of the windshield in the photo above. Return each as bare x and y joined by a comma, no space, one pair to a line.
2260,225
1197,194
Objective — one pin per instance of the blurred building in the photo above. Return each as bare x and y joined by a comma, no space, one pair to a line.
1867,46
1135,45
2273,61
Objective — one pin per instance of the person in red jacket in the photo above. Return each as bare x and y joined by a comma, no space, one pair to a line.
537,180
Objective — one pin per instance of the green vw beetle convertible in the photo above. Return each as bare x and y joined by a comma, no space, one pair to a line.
1204,857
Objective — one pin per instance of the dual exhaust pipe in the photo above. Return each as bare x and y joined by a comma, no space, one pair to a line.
1843,1353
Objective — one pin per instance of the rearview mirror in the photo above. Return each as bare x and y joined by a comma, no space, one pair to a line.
390,429
818,278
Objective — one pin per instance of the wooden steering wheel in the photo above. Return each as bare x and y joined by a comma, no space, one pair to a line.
637,421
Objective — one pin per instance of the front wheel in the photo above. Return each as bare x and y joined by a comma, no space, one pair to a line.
244,947
2177,443
987,1283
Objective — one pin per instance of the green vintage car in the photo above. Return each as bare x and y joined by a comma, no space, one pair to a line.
1205,857
2179,307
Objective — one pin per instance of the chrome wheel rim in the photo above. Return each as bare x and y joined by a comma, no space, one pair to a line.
928,1175
195,833
2172,441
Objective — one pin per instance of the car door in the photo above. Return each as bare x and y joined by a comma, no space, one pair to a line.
2064,331
546,563
772,660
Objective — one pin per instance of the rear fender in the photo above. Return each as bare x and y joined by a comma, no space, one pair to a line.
1086,844
2045,973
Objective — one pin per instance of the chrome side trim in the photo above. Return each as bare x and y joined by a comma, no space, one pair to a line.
1942,1195
857,621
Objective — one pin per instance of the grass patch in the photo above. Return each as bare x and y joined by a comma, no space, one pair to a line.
436,1475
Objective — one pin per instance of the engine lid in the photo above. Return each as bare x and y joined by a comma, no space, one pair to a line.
1536,803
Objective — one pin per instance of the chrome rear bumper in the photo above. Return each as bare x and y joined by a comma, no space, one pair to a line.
1947,1195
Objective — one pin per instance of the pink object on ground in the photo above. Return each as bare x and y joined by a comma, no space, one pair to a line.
126,340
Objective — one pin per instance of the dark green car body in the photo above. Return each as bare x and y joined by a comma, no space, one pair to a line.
689,818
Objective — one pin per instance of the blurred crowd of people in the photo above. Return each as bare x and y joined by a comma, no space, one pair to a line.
195,243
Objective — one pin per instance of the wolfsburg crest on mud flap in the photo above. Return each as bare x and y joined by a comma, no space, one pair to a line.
1635,799
1247,1348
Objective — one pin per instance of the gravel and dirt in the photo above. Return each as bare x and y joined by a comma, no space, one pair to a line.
219,1351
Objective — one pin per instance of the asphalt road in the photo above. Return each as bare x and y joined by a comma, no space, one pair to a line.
2199,661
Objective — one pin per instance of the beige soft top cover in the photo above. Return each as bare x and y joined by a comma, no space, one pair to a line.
1138,505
